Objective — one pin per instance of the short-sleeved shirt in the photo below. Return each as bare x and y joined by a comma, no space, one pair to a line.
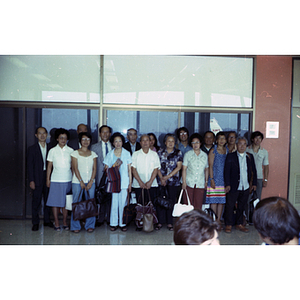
261,158
85,166
145,163
196,165
184,149
168,162
111,158
61,159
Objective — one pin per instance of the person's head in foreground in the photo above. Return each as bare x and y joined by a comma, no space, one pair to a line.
277,221
195,228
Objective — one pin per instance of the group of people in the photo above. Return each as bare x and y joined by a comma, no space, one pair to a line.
217,170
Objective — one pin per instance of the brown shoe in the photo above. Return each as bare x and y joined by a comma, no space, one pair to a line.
228,228
241,228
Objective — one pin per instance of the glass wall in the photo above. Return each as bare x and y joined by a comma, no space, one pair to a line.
294,178
178,80
54,78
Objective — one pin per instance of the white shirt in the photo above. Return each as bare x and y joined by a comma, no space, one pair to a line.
196,165
145,163
61,159
244,184
43,150
261,158
85,166
104,148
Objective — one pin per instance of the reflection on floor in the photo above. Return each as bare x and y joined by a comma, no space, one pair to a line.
18,232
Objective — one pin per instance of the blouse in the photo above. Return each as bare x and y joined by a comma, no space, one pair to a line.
196,165
85,166
61,159
111,158
168,162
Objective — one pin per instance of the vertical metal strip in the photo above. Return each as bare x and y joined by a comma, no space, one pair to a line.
101,113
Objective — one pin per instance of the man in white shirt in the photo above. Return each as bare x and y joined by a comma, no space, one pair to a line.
101,149
132,145
145,165
36,164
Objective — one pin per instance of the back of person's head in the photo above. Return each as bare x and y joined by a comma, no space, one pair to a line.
277,220
194,228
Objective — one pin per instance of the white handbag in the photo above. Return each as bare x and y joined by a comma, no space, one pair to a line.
69,201
179,208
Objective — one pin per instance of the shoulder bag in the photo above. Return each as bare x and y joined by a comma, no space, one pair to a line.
179,208
84,209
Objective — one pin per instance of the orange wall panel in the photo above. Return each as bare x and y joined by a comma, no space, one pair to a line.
273,103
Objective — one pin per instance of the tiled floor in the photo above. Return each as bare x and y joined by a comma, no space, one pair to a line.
18,232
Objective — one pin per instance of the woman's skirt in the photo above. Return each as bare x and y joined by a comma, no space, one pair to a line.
57,193
216,195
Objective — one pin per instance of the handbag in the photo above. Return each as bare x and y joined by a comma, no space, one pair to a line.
84,209
179,208
252,203
142,210
101,195
211,213
113,180
69,201
129,211
162,199
148,223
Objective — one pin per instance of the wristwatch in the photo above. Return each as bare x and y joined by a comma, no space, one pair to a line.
265,179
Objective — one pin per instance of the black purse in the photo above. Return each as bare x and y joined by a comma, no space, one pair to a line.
101,195
129,212
84,209
162,199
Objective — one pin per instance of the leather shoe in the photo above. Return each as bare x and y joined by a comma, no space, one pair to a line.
35,227
228,228
241,228
50,224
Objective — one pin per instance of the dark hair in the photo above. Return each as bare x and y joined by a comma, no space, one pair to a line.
255,134
277,219
60,131
194,228
219,134
110,130
195,136
155,140
208,131
169,135
36,130
182,129
117,134
81,134
229,132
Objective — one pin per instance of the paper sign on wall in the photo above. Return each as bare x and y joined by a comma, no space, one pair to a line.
272,130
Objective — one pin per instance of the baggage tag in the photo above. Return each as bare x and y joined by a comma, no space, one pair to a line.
133,198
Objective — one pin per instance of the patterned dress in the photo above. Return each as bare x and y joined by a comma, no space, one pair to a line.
218,194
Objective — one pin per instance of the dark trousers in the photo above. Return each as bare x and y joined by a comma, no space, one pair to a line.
241,197
138,193
104,213
37,195
165,215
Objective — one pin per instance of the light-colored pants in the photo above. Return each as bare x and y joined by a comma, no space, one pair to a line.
118,203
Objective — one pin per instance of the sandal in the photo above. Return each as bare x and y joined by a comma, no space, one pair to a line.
90,230
66,227
76,231
158,226
170,227
56,228
124,228
113,228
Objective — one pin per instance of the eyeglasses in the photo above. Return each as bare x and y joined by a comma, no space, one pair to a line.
195,143
62,138
85,139
183,133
